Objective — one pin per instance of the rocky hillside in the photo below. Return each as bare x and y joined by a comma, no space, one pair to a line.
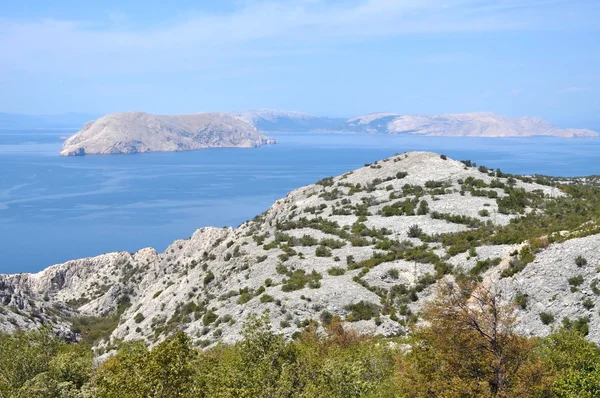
482,124
134,132
369,246
478,125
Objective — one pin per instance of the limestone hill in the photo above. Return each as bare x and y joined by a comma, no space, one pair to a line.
369,246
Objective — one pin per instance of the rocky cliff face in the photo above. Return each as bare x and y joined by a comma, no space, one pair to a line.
346,246
134,132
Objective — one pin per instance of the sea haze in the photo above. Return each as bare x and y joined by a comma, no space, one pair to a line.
53,208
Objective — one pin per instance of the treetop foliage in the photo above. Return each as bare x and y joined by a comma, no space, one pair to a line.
468,347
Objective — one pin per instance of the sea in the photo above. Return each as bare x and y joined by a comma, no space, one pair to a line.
53,209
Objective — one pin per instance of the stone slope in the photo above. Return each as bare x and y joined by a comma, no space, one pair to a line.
135,132
339,247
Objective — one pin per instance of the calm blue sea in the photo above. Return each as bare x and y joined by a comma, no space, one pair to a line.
53,209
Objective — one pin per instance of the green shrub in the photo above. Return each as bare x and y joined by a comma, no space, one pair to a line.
281,269
575,280
336,271
285,324
209,318
393,273
580,261
307,240
326,317
546,318
245,296
209,278
521,300
414,231
518,264
139,317
322,251
362,311
332,243
483,265
594,287
298,279
359,241
580,325
265,298
326,182
423,208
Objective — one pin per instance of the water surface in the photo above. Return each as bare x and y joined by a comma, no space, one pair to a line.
53,209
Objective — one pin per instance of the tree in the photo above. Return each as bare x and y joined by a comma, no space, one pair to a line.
575,361
261,365
469,348
36,364
23,356
166,371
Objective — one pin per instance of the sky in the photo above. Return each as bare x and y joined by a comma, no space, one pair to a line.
328,57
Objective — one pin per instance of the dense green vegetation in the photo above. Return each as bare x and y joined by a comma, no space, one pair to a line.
465,350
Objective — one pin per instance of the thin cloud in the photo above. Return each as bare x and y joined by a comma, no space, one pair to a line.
80,47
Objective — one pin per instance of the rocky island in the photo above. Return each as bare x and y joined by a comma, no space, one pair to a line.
473,124
137,132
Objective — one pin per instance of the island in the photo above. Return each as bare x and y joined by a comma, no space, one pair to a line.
138,132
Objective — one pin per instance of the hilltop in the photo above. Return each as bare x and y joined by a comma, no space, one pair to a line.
135,132
369,246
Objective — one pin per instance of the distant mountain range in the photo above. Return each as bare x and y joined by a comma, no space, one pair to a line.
476,124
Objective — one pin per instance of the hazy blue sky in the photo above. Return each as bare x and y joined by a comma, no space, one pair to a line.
329,57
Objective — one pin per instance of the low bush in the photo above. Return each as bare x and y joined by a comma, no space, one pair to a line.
336,271
414,231
580,261
362,311
546,318
322,251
